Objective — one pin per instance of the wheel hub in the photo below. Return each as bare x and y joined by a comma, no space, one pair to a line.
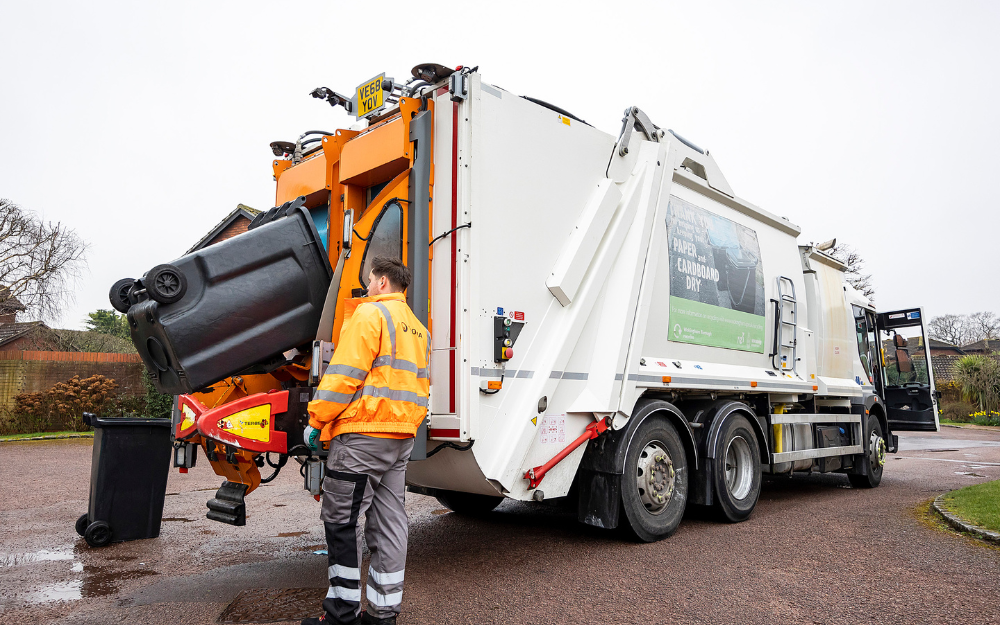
739,467
655,477
876,450
167,283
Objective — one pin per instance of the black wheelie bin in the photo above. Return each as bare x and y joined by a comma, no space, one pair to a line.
231,306
128,479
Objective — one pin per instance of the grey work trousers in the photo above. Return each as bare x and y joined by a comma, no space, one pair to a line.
365,475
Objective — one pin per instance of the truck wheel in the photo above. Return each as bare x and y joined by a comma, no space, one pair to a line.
875,457
736,470
655,481
467,503
81,524
119,295
165,284
98,534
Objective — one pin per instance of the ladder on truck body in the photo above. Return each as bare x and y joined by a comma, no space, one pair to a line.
786,317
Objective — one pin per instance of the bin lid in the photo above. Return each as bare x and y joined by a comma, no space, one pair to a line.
100,422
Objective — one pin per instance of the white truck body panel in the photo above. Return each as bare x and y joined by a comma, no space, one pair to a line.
575,240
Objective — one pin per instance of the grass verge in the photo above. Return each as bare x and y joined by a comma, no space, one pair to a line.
978,504
63,434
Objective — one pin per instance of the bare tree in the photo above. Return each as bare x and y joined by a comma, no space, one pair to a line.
952,329
985,326
965,329
39,261
856,275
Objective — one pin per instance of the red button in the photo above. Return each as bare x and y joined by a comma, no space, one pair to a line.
508,353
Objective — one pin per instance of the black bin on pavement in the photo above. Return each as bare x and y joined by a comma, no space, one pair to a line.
128,479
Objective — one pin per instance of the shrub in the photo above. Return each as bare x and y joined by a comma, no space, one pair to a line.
980,379
63,405
958,411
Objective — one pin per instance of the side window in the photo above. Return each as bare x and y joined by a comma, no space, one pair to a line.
386,239
861,326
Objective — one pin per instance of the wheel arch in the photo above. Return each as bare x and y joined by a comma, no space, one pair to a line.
720,413
713,415
599,474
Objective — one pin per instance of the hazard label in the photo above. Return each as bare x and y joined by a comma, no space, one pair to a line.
553,429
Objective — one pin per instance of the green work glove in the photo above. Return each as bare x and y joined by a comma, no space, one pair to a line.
310,436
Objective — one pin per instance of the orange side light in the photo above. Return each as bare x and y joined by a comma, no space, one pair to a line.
815,387
753,385
494,385
666,379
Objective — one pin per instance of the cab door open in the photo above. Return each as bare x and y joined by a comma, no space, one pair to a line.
907,372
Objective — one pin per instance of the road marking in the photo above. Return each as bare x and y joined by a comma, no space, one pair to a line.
991,464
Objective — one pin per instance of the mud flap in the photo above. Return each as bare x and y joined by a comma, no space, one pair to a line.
600,498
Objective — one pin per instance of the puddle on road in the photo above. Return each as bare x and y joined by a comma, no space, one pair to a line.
97,581
290,534
968,474
938,451
62,591
44,555
177,518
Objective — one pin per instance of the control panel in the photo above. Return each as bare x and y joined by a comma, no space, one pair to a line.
505,332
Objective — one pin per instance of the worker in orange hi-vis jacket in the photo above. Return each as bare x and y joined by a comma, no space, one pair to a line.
369,404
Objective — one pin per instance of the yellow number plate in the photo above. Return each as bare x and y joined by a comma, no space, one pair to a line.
369,96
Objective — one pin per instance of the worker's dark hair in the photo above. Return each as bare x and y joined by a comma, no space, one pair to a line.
393,269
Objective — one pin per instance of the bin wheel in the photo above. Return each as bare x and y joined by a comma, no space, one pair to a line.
119,295
98,534
165,284
81,524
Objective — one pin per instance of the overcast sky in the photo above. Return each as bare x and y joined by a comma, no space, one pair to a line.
141,125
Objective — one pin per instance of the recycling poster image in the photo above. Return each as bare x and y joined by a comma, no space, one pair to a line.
716,280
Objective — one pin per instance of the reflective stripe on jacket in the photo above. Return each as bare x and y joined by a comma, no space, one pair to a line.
378,379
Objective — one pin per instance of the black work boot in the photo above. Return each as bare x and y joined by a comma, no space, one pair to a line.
322,620
368,619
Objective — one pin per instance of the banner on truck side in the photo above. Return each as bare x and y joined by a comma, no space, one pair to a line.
716,280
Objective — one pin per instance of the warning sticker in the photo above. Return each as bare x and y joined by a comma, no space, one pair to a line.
553,429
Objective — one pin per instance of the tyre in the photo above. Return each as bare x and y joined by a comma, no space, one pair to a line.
467,503
165,284
736,470
81,524
119,295
655,481
98,534
875,456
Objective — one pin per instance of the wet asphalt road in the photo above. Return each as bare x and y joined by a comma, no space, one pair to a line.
815,551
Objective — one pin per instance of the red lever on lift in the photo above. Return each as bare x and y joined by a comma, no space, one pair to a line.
534,476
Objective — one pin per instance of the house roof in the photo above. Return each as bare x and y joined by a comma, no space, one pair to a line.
936,344
12,331
984,345
241,210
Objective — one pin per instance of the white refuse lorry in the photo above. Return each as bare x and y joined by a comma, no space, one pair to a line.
610,321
